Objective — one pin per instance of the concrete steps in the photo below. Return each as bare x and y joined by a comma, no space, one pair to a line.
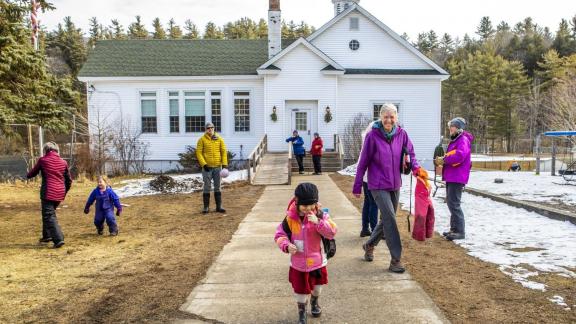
330,163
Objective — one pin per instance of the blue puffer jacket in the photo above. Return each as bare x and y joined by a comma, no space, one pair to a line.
297,145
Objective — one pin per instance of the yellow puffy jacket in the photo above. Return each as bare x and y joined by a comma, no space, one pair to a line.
211,152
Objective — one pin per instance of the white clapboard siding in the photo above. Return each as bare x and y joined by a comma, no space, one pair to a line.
419,106
115,99
300,79
377,49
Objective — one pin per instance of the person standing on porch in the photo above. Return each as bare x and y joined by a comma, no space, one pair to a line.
316,152
381,155
298,149
213,157
56,182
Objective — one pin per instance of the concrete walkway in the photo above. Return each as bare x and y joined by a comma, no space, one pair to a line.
248,283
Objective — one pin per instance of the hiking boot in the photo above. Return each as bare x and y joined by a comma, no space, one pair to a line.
100,231
206,198
45,240
315,309
302,316
58,245
447,233
218,198
368,252
365,233
396,266
455,236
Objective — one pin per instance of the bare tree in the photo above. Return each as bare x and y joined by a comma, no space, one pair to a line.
130,152
352,137
561,104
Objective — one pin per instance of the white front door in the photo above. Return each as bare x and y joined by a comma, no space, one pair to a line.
302,122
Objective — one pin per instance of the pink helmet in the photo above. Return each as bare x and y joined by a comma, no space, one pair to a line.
224,173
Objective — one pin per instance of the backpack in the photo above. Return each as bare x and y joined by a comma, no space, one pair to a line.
329,245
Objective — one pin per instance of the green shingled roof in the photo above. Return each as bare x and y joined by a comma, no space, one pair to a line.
128,58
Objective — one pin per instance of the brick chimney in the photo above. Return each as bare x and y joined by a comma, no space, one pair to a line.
274,28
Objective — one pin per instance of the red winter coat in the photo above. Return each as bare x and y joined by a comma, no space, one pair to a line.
423,212
56,179
317,145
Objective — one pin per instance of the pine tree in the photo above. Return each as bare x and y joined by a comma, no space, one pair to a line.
70,41
174,31
96,32
191,30
117,30
405,37
136,30
564,43
485,30
213,32
158,32
262,30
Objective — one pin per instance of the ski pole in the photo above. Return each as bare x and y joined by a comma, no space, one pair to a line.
410,212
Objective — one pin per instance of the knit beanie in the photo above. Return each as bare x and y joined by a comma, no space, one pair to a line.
458,122
307,193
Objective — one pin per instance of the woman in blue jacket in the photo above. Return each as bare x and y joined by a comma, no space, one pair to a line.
106,199
298,148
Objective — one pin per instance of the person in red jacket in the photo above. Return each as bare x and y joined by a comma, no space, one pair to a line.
56,182
316,152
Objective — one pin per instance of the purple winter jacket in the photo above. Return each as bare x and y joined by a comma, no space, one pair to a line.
457,162
382,160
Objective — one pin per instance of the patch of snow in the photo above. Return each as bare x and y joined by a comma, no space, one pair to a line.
349,170
141,187
496,158
525,186
559,300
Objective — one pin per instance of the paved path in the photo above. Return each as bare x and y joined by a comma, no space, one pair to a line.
248,283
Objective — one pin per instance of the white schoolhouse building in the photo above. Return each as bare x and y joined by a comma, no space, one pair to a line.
353,64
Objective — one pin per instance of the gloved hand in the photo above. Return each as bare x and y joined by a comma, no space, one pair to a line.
312,218
118,212
86,210
292,249
439,161
421,173
224,167
206,168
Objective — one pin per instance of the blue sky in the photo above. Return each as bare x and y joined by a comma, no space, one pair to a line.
410,16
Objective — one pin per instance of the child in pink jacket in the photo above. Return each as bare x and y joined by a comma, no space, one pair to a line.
308,224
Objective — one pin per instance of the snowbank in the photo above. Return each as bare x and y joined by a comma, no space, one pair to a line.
190,183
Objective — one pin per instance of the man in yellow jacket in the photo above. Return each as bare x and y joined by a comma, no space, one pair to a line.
212,156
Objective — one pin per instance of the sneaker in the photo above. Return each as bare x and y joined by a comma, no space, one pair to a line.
58,245
114,233
301,172
455,236
365,233
396,266
45,240
368,252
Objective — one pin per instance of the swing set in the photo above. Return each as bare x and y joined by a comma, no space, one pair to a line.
568,167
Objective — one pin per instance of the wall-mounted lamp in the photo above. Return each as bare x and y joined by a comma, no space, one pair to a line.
91,89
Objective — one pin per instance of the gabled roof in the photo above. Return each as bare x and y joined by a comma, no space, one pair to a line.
301,41
394,35
137,58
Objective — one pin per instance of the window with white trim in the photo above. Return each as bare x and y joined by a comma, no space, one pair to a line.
354,23
216,107
148,111
377,106
174,103
194,111
241,111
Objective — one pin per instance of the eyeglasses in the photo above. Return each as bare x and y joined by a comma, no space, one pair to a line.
209,127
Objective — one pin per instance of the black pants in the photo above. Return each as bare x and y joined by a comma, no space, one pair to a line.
50,227
300,160
317,159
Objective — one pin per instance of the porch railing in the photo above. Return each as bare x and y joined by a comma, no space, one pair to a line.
256,157
339,148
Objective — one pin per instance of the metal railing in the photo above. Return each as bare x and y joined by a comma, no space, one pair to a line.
256,157
339,148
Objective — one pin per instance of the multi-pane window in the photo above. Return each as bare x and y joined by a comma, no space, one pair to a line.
354,23
174,103
378,106
194,111
216,103
241,111
148,110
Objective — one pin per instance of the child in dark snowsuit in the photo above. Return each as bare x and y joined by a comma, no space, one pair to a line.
106,199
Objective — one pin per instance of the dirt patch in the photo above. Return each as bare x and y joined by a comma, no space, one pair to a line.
145,274
526,249
468,290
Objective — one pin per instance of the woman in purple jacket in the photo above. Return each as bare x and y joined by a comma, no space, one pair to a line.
381,155
455,173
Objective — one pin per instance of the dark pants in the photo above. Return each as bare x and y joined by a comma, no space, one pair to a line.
50,227
317,160
212,175
453,198
387,202
108,216
369,210
300,160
